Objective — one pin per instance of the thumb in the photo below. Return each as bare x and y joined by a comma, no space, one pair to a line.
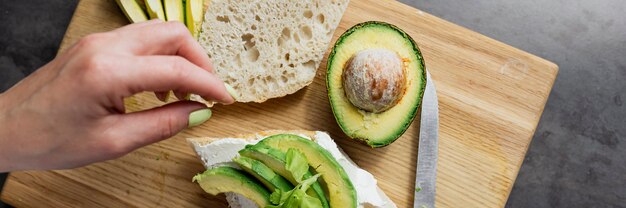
150,126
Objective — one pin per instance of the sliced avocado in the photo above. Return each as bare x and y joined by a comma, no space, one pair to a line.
226,179
382,128
276,160
155,9
340,189
193,16
266,175
174,10
141,4
273,158
132,10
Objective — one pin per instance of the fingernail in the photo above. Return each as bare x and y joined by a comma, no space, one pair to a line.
231,91
198,117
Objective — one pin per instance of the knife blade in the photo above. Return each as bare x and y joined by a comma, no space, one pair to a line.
426,173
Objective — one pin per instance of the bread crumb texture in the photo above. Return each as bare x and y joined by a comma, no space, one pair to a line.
267,49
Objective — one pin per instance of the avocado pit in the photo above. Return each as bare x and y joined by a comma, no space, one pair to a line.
374,79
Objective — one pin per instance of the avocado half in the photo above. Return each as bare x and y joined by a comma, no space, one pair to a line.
383,128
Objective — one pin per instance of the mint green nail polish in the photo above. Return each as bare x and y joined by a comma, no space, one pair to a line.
198,117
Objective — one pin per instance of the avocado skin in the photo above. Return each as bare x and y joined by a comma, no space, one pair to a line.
411,114
246,181
280,157
263,173
303,145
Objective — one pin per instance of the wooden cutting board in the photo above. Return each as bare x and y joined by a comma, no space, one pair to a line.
491,96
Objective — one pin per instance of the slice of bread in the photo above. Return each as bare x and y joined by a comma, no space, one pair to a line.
268,49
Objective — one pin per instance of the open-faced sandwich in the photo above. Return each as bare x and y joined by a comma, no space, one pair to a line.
285,169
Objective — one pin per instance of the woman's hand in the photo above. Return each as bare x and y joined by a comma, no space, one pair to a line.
70,112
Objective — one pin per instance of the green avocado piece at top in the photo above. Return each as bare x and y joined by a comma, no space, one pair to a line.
132,10
141,4
155,9
194,16
334,178
227,179
375,128
266,175
174,10
276,160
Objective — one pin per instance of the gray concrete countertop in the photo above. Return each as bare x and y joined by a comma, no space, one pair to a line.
578,154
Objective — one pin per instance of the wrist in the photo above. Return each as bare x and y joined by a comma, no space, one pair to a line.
6,164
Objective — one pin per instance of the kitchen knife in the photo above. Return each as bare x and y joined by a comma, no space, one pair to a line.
426,173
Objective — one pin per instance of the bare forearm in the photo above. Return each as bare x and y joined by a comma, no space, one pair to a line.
6,164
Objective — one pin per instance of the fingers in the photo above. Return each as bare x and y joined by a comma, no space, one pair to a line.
164,38
134,130
164,73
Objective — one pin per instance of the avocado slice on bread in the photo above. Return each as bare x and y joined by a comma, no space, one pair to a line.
298,154
264,174
295,158
341,192
227,179
276,160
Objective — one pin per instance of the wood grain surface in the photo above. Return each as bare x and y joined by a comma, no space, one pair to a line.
491,96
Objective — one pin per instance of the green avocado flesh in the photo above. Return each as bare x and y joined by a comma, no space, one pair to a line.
155,9
226,179
193,16
132,10
383,128
266,175
174,10
275,160
340,190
